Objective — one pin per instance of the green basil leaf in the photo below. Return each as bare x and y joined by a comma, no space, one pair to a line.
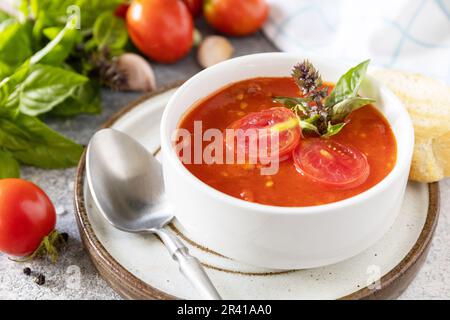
23,7
110,31
85,99
39,55
46,87
9,167
63,49
308,126
48,13
291,102
33,143
5,70
12,136
8,86
15,43
4,16
312,119
51,12
333,129
90,9
39,24
342,109
348,85
56,8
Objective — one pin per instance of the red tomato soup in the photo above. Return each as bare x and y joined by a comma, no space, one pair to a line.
366,131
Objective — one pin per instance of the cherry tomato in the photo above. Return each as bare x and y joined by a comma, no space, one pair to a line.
121,10
194,6
331,163
236,17
162,29
280,120
26,216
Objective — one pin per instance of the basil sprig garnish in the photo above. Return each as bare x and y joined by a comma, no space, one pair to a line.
318,111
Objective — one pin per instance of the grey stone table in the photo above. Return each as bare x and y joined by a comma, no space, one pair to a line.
74,276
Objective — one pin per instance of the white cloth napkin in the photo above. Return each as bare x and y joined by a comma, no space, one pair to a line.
410,35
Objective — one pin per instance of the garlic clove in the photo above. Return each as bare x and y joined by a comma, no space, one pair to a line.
138,72
214,49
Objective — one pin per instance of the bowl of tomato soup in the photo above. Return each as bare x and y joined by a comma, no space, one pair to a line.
306,201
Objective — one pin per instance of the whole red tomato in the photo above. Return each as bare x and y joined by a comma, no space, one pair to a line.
162,29
121,10
26,216
194,6
236,17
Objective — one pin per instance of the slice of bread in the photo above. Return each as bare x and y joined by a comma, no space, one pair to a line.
428,103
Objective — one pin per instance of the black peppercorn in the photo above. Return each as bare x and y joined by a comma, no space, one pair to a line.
40,279
27,271
65,236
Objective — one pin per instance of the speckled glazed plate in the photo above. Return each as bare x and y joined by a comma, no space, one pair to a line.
139,267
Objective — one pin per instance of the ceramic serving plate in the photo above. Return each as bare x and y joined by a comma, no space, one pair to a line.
139,267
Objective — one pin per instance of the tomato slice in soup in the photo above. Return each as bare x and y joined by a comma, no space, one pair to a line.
260,129
331,163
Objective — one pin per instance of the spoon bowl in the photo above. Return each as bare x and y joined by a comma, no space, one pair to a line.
129,190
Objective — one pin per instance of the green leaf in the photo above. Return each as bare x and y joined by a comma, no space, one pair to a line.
5,70
312,119
10,87
110,31
51,12
23,7
55,13
333,129
38,56
348,85
85,99
33,143
342,109
48,13
8,93
46,87
63,49
39,24
4,16
9,167
90,9
308,126
291,102
15,43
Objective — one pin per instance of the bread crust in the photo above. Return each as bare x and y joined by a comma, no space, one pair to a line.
428,103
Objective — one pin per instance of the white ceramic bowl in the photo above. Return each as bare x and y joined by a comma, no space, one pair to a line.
282,237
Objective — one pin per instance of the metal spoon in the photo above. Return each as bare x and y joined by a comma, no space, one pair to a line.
127,186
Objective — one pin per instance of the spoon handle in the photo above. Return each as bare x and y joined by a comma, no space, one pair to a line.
190,266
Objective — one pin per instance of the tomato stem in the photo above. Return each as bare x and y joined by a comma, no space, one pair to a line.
48,247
